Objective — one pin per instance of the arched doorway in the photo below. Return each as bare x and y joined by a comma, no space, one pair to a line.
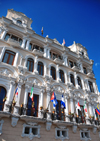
2,96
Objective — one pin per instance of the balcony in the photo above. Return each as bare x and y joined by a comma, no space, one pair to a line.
59,61
76,68
38,52
13,42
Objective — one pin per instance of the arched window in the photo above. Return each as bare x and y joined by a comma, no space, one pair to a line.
61,75
2,96
91,86
53,73
72,79
8,57
79,82
40,68
19,21
30,64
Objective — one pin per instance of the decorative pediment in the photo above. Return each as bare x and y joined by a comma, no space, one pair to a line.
34,81
6,72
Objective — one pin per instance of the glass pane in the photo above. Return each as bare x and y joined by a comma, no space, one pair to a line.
30,46
36,105
38,68
34,131
2,96
7,37
27,130
19,22
64,133
20,42
28,64
14,38
29,106
41,70
58,133
31,67
11,60
5,58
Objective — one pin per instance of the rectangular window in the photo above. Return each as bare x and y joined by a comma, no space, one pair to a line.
70,64
85,135
61,133
84,70
27,130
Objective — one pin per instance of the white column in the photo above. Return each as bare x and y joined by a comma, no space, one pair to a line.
35,64
90,109
48,53
65,75
41,98
57,72
26,95
2,54
87,111
66,61
3,34
75,77
45,69
75,106
19,93
72,105
23,43
27,45
82,83
48,100
66,103
81,67
16,59
94,87
11,91
45,52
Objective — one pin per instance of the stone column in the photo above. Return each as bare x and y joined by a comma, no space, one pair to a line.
3,34
45,52
23,43
75,77
27,45
72,105
10,95
25,99
35,64
2,54
65,75
48,105
76,105
16,59
65,60
81,67
17,105
93,106
94,87
82,81
57,72
41,103
87,116
90,109
45,69
49,53
66,110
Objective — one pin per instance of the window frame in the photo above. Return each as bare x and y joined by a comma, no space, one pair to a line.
61,73
79,79
41,67
61,136
91,86
54,72
53,53
85,131
31,135
73,79
9,57
84,69
30,64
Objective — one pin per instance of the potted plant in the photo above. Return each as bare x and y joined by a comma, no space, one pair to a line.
69,112
4,99
21,105
62,111
14,102
84,115
72,114
41,107
47,110
96,118
53,111
90,116
32,104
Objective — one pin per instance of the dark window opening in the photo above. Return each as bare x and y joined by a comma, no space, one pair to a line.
72,79
91,86
30,64
79,82
40,68
61,75
53,73
27,130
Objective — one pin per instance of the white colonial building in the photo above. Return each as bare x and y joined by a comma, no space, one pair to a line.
27,58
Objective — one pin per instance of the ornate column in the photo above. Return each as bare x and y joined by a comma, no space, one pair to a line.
45,69
48,54
3,34
27,45
17,105
93,107
65,60
25,99
2,54
35,64
48,104
41,103
94,87
66,110
90,109
23,43
16,59
57,72
72,105
87,116
75,77
65,74
45,52
10,95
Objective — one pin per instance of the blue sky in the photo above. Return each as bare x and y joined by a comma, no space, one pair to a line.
73,20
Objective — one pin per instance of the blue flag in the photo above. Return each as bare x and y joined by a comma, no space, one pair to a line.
62,103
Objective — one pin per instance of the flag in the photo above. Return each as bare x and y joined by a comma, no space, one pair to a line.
42,31
63,41
62,103
97,109
16,92
78,106
53,99
85,107
31,94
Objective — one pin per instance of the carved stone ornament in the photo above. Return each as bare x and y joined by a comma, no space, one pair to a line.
32,123
5,72
14,121
94,130
48,126
1,124
74,128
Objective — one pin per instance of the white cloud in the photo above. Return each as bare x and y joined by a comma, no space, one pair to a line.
96,64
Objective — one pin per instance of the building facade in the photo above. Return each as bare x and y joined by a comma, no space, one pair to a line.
28,59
